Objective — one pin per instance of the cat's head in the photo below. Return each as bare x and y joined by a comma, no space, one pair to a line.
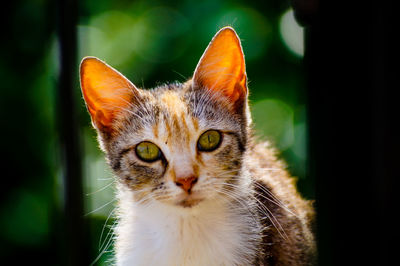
179,144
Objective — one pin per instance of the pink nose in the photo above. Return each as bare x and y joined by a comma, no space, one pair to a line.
186,183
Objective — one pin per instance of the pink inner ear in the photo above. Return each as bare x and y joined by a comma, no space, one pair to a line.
222,66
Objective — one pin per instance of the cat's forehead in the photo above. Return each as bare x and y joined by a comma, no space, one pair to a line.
172,101
176,114
169,101
175,121
181,104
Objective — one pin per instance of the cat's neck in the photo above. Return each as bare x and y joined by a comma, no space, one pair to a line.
156,234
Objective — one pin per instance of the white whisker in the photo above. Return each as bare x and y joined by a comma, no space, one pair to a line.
101,189
99,208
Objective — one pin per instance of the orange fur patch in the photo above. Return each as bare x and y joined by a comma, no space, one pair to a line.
222,66
106,91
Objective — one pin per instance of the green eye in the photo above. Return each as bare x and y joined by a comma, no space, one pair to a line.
148,152
209,140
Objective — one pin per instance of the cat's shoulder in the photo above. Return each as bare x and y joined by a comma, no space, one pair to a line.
262,157
290,214
270,174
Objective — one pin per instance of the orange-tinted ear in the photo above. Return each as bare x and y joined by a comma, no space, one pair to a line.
222,67
106,91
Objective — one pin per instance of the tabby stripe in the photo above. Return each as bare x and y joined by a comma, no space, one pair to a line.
242,147
116,163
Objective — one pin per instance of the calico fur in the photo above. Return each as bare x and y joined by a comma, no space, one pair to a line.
276,234
244,208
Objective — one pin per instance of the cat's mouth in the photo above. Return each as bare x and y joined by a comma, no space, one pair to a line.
189,202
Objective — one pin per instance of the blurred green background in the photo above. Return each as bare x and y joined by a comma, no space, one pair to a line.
150,42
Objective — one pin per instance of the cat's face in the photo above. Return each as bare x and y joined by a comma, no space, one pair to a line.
179,144
179,147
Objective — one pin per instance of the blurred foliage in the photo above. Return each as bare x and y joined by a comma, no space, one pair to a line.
151,42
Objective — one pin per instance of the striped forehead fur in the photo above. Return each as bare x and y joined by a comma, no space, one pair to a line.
152,107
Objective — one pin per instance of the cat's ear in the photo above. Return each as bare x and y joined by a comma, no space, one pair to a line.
107,92
222,67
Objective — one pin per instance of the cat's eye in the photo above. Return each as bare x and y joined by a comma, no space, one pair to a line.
147,151
209,140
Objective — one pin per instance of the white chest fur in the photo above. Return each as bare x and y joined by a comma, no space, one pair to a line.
211,234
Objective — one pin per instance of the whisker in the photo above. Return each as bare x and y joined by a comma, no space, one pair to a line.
264,209
274,199
99,208
104,226
105,179
109,242
280,230
241,202
109,235
181,75
101,189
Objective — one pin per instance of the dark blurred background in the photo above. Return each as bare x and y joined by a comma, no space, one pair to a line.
331,79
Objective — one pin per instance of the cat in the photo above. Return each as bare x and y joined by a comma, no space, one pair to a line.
194,187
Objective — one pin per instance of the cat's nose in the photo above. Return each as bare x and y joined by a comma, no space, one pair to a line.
186,183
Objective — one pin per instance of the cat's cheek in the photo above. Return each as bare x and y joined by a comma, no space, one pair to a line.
212,166
137,175
207,159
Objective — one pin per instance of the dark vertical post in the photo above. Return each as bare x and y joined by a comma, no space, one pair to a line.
354,147
386,137
75,232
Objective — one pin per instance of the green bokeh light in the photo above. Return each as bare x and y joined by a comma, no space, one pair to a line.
274,118
292,33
